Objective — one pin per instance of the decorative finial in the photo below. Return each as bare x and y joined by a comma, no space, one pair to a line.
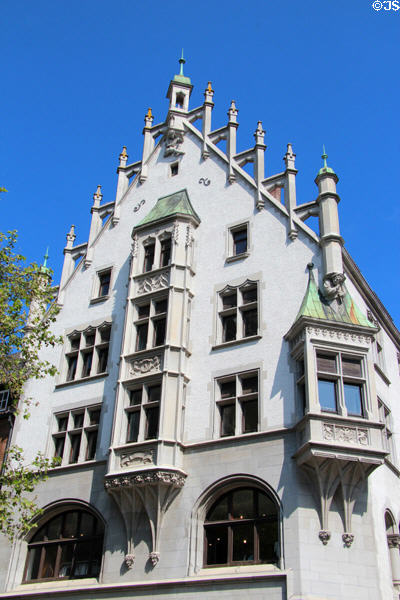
181,62
324,156
124,153
46,256
98,191
149,114
209,87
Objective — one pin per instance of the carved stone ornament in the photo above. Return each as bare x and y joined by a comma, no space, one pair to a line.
393,540
334,335
205,181
150,284
333,286
154,557
134,247
145,365
129,459
324,536
145,478
348,435
348,539
173,139
139,205
129,560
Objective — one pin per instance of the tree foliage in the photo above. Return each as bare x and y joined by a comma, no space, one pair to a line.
27,310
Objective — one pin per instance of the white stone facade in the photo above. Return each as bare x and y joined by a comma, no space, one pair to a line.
194,297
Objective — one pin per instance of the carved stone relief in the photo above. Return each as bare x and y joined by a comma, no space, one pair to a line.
341,433
334,286
151,284
146,478
173,140
129,459
338,335
142,366
348,539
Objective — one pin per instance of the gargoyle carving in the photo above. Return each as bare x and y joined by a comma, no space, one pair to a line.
334,286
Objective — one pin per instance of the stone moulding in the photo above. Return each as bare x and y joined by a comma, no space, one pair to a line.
144,478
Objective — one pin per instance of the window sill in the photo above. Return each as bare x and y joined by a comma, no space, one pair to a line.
81,380
251,338
99,299
256,568
241,256
59,583
84,464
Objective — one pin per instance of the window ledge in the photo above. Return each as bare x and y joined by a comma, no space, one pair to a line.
382,374
251,338
84,464
81,380
99,299
58,583
241,256
231,569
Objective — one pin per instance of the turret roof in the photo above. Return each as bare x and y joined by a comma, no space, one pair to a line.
168,206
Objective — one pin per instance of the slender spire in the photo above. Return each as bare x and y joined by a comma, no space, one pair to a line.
181,62
325,168
44,268
46,256
181,78
324,156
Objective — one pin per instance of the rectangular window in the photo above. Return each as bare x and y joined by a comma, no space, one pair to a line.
237,403
104,280
238,312
149,250
143,413
87,354
238,242
151,324
75,434
165,252
341,381
385,417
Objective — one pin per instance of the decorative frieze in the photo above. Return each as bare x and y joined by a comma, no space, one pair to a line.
345,434
153,283
129,459
145,478
335,335
145,366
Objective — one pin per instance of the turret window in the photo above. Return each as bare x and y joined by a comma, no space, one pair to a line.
149,250
165,252
151,323
341,383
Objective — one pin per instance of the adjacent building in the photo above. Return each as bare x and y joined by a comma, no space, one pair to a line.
227,403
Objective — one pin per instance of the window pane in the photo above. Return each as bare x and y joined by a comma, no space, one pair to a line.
82,559
141,341
250,322
32,571
249,385
154,393
103,358
243,542
351,367
148,257
59,444
75,447
143,311
227,419
86,525
67,553
135,397
89,339
159,332
268,541
54,528
94,416
249,295
165,251
72,362
62,423
133,426
229,328
105,333
228,389
266,507
71,524
75,341
326,363
49,564
217,545
353,399
219,512
239,241
327,395
96,558
243,504
87,363
229,300
250,416
152,423
104,283
91,445
160,307
78,420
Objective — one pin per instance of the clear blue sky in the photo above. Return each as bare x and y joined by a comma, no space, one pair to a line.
78,76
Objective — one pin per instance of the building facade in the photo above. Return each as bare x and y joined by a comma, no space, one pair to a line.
226,404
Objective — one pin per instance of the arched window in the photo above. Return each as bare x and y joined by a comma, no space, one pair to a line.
242,527
67,546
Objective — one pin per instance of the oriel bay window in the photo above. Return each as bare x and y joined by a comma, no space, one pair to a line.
68,546
151,322
238,312
143,412
341,383
242,527
149,250
237,403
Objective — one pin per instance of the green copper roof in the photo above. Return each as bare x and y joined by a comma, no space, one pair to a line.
181,78
168,206
325,168
44,268
315,305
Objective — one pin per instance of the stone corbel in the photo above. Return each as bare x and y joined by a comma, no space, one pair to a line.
151,490
352,476
324,478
